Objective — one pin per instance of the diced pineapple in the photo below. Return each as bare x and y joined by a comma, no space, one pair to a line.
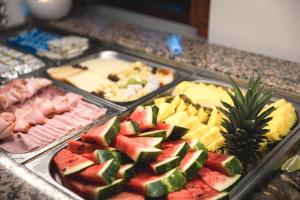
160,100
191,110
181,87
181,106
177,119
198,132
175,102
203,115
191,122
214,146
212,135
165,110
215,118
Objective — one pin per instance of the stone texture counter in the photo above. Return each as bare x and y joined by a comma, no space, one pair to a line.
284,75
17,182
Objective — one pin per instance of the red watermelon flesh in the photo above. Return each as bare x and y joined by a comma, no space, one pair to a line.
146,118
169,144
89,156
137,182
79,147
80,187
68,163
195,189
129,128
90,136
147,141
176,148
216,179
90,174
128,196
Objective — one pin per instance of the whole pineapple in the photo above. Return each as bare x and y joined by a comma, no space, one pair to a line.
244,126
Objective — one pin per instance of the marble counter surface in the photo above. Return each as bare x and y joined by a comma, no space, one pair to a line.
282,74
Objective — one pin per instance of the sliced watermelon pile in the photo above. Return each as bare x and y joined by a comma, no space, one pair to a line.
147,158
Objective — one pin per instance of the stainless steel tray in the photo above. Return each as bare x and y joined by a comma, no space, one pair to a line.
111,111
179,74
43,165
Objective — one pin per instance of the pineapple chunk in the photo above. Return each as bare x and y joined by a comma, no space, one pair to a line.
212,135
165,110
181,87
214,146
191,110
175,102
215,118
160,100
177,119
191,123
198,132
181,106
203,115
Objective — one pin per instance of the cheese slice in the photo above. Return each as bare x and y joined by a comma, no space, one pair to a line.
62,72
87,80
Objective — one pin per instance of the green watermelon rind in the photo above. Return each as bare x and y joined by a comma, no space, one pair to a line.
147,155
104,155
135,127
176,132
126,172
109,171
232,166
132,127
112,131
76,168
191,169
155,110
165,165
107,191
169,182
156,133
231,180
196,144
182,151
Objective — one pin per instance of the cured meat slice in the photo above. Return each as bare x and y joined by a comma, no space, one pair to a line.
35,84
57,124
8,131
61,105
78,118
35,117
40,135
48,132
73,98
18,143
21,125
68,121
47,108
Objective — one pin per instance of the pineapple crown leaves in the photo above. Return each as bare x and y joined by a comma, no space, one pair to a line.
246,120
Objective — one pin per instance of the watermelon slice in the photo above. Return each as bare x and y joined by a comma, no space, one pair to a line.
172,132
146,118
157,133
157,186
192,162
93,191
68,163
175,148
79,147
128,196
226,164
104,134
136,151
126,171
129,128
196,189
163,165
101,156
196,144
217,180
147,141
104,173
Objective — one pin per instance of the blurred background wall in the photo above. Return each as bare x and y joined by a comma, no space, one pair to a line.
269,27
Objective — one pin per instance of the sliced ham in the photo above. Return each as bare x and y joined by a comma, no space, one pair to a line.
43,133
67,121
47,108
35,117
77,117
52,128
8,131
21,125
36,140
57,134
39,136
8,116
18,143
61,105
35,84
73,98
57,124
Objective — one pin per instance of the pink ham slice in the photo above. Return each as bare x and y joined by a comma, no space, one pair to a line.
47,108
21,126
35,117
8,131
67,121
6,124
57,124
61,105
40,136
18,143
73,98
35,84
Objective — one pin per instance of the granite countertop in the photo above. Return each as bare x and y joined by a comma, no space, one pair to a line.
282,74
